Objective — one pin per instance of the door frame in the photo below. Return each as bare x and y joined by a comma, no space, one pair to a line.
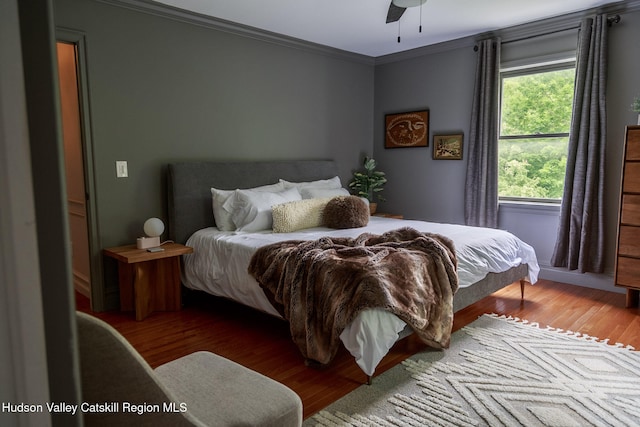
78,38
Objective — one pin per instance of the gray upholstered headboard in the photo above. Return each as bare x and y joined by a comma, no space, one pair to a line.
189,186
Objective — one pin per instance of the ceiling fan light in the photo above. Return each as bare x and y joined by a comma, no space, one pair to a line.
408,3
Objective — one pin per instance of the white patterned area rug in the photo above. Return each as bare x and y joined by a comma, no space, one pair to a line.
501,372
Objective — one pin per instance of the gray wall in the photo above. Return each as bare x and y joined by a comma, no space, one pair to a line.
441,78
442,82
164,89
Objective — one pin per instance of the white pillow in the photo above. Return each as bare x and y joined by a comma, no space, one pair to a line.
322,193
321,183
297,215
251,209
219,198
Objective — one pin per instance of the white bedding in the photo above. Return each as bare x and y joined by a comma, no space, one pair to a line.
219,263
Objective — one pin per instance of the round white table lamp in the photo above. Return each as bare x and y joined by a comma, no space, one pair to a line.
153,228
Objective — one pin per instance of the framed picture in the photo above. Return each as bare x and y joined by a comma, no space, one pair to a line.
403,130
447,147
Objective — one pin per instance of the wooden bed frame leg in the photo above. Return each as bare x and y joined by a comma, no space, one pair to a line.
522,283
369,379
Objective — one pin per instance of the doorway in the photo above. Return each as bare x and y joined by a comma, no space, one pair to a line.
78,158
74,166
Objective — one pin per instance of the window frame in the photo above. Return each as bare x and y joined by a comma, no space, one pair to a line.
523,70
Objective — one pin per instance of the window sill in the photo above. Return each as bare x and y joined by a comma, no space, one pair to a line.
550,208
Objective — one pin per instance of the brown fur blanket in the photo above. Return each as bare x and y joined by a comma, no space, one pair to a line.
322,285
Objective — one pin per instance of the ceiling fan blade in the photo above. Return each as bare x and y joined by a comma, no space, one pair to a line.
394,12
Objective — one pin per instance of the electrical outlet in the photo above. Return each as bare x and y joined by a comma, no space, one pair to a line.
121,169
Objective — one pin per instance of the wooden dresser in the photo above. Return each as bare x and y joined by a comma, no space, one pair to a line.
627,272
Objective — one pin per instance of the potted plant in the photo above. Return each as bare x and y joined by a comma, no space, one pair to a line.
635,106
369,183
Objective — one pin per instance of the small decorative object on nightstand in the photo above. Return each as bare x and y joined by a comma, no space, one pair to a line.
149,281
153,228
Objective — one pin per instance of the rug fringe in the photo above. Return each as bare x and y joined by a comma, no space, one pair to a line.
501,373
580,335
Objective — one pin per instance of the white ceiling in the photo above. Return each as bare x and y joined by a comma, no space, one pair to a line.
359,25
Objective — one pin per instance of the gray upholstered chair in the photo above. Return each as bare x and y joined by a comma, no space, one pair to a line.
200,389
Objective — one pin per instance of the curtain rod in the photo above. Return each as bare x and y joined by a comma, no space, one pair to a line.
613,19
610,21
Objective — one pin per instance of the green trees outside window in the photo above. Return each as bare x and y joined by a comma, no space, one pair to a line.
535,117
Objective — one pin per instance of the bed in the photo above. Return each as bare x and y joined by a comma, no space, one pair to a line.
219,263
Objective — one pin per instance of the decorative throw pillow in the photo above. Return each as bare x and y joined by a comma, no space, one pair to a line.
219,197
323,193
321,183
346,212
252,209
298,215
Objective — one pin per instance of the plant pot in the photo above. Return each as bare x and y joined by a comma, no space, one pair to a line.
372,207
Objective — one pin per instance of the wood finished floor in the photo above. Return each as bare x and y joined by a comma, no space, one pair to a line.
262,342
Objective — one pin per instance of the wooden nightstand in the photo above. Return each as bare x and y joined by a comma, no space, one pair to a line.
149,281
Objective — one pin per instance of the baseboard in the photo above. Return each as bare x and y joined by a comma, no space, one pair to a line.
603,282
81,284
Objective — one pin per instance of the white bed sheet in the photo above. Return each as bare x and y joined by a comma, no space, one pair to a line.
219,263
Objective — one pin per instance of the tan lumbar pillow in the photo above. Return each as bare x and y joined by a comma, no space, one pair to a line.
298,215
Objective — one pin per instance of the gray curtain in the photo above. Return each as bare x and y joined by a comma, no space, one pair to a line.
580,242
481,186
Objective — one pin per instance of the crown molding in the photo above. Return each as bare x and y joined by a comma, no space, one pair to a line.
518,32
533,29
217,24
562,22
464,42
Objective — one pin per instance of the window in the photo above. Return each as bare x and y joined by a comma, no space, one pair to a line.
535,117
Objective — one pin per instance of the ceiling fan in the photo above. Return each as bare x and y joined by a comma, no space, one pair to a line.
397,8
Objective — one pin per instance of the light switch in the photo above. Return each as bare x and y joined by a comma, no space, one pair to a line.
121,169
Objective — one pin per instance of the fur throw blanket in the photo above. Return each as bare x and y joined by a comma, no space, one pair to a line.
322,285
